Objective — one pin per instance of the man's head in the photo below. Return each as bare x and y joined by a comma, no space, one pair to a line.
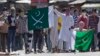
13,11
83,12
66,11
81,25
20,12
5,13
94,11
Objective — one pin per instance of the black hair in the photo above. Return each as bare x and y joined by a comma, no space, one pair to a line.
94,10
4,9
75,10
63,10
83,10
33,7
19,10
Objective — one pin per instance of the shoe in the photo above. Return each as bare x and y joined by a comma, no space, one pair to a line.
26,52
7,53
40,51
93,50
72,50
35,52
30,51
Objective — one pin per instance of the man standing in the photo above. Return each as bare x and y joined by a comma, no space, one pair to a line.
65,33
53,31
38,37
22,29
93,24
83,17
11,30
3,30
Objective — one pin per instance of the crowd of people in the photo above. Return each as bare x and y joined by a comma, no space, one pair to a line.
14,32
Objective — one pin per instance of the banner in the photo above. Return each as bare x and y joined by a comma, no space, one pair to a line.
38,18
84,40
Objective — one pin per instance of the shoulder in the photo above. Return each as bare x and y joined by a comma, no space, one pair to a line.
71,16
98,17
9,16
76,29
86,17
80,16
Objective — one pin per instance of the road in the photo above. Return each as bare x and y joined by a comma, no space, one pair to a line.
21,53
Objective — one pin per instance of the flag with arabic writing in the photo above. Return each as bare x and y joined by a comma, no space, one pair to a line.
38,18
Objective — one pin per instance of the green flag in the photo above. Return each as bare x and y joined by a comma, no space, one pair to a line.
83,40
38,18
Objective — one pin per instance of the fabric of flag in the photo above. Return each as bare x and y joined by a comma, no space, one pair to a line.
84,40
59,23
38,18
51,16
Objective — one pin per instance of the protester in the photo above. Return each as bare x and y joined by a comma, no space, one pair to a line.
22,29
38,37
11,20
98,35
75,17
53,31
3,30
83,17
47,39
73,35
67,24
93,23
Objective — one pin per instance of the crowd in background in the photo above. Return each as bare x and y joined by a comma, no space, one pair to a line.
14,32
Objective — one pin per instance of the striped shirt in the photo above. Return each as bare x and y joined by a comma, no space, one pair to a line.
93,22
22,25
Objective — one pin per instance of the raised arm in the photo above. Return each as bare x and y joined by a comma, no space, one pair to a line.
57,12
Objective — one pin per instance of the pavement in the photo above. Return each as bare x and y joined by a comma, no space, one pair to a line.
22,53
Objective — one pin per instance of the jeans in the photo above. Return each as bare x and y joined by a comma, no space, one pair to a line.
11,40
19,41
48,42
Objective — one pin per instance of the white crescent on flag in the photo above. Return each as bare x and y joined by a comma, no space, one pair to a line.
37,21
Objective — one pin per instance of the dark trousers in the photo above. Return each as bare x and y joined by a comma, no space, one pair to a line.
98,35
37,40
93,45
94,42
3,37
11,40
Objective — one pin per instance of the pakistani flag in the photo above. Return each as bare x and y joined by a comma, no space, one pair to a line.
38,18
83,40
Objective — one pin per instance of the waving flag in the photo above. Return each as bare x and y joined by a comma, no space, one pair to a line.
38,18
83,40
51,16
